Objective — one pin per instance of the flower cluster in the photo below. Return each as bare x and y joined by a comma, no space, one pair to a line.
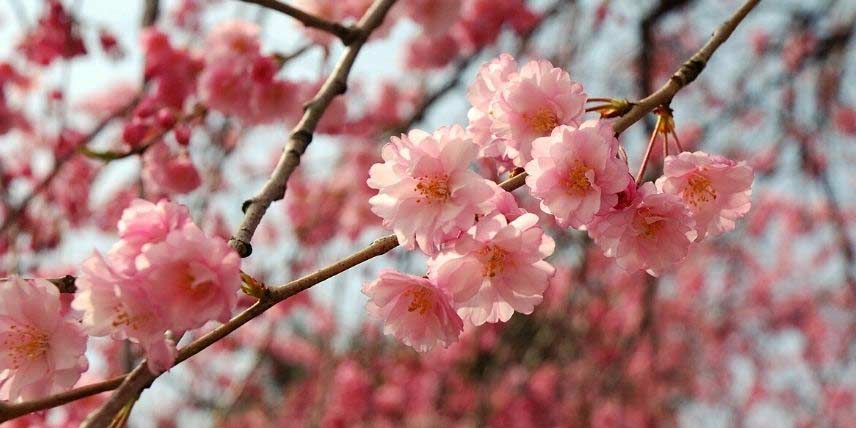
162,278
452,27
54,36
487,254
239,81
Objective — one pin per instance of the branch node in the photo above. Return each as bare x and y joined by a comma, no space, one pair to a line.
353,35
244,249
302,137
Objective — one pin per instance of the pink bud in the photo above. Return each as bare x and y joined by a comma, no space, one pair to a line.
134,132
182,134
166,118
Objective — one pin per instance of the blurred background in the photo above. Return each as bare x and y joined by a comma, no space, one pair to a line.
755,329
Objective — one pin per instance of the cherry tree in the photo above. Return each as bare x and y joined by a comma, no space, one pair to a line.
609,213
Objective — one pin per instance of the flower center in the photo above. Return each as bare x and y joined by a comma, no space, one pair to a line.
495,261
433,188
121,317
698,191
420,300
25,344
542,121
648,222
576,182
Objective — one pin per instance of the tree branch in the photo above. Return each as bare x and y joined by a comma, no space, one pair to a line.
345,34
687,72
336,84
15,213
141,377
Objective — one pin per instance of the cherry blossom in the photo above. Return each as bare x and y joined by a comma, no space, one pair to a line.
716,190
167,172
496,268
194,278
482,94
115,304
576,174
150,285
532,103
42,344
55,36
413,309
652,232
427,194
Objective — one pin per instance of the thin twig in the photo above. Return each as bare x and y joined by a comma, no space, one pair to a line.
15,214
345,34
299,139
197,112
687,72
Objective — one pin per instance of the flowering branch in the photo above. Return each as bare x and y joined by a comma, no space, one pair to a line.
15,214
347,35
336,84
131,384
197,112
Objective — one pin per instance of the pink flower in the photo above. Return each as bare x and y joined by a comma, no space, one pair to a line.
117,305
427,194
482,94
194,279
652,231
716,190
575,173
413,310
239,81
42,350
162,278
534,102
232,41
144,223
435,16
54,36
496,268
845,119
168,173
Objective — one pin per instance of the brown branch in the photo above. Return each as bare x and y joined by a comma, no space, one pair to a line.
198,111
345,34
65,284
151,11
16,213
299,139
141,377
687,72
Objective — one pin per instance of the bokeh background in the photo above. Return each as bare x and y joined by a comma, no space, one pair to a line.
754,329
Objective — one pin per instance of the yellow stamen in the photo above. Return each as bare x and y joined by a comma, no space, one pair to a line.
433,188
24,344
420,300
698,191
495,262
542,122
576,182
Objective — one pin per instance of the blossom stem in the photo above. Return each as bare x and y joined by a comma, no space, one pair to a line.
648,151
